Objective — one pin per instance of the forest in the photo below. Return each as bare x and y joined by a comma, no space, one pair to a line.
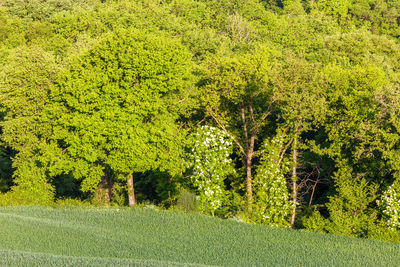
277,112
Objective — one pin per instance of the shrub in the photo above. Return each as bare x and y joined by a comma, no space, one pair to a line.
39,194
272,197
71,202
315,223
390,205
187,201
211,164
349,209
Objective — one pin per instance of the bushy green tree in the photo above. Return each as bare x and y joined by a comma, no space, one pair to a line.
25,86
339,9
302,106
120,101
38,9
350,211
238,95
379,16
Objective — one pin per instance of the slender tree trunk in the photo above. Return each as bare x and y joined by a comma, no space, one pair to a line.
248,156
247,147
104,190
131,191
108,186
294,180
249,184
248,169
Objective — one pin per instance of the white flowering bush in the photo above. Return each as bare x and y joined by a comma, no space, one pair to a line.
390,204
211,164
273,204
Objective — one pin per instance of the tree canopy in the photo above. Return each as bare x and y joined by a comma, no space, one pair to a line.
276,112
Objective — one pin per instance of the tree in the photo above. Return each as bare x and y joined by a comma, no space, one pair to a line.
349,210
26,83
338,9
211,164
238,95
390,205
273,203
362,132
120,101
301,104
38,10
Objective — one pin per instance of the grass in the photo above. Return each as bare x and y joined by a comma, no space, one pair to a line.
43,236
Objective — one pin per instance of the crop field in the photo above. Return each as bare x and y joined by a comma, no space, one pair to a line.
44,236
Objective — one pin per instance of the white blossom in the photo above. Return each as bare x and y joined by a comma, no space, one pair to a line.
272,196
211,164
390,203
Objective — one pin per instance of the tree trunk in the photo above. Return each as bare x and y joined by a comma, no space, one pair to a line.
249,184
248,154
294,180
131,191
104,190
108,186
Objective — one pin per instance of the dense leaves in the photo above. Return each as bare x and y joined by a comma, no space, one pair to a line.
211,163
298,101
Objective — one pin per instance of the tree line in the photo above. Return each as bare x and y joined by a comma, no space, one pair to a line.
283,113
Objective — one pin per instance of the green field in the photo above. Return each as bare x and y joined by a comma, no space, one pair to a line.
43,236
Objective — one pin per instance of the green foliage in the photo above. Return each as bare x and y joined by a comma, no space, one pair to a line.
26,82
210,161
92,91
119,103
293,8
315,223
11,32
272,204
38,9
187,201
237,92
390,205
230,82
379,16
350,213
339,9
381,232
32,187
71,202
25,85
300,94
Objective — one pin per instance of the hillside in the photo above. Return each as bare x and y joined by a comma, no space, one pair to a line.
43,236
277,112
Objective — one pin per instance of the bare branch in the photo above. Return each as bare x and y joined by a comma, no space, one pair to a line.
263,117
284,151
197,124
